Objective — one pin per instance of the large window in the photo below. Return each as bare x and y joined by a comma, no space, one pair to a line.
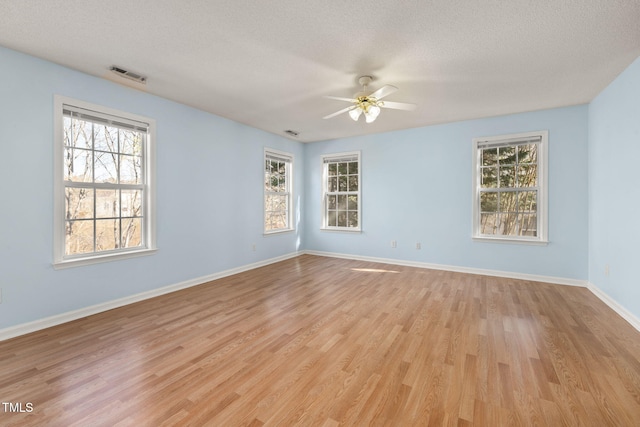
104,194
341,192
510,181
277,191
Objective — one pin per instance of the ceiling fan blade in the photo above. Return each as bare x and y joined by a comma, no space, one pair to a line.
398,105
344,110
383,91
341,99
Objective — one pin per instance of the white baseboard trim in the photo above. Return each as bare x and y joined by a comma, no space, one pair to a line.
457,269
36,325
615,306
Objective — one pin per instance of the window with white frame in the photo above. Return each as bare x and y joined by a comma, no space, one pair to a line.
341,192
510,187
104,191
277,191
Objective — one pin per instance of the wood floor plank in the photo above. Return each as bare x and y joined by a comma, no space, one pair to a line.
319,341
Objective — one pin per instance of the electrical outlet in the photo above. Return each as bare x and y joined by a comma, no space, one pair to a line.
253,247
606,270
418,245
394,244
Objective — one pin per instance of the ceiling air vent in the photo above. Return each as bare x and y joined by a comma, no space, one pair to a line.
291,132
128,74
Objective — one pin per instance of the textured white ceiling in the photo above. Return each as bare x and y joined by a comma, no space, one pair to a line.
268,64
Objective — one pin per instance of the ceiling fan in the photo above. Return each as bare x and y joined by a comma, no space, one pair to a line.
369,104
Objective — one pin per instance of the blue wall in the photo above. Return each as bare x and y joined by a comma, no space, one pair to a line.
209,194
614,189
416,187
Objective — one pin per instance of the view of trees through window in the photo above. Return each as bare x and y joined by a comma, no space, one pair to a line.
342,194
104,182
277,194
508,190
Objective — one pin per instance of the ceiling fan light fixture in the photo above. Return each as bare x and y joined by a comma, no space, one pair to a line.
372,113
355,114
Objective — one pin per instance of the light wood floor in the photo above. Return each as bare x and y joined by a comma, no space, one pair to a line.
316,341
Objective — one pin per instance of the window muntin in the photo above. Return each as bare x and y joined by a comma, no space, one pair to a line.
341,192
277,191
510,187
103,183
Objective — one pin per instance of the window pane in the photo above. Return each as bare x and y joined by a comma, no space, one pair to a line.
106,138
342,219
507,155
273,184
131,203
353,168
107,204
352,203
267,222
527,201
507,176
107,234
77,165
275,203
342,202
353,219
527,175
528,224
508,201
489,202
343,168
131,232
332,219
342,183
333,169
333,184
78,203
131,142
282,182
332,202
507,224
528,153
488,223
105,167
77,133
130,169
489,157
79,237
490,177
353,183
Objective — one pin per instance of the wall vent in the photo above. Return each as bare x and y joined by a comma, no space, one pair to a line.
128,74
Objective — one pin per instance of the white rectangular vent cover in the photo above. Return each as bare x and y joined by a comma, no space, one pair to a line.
129,75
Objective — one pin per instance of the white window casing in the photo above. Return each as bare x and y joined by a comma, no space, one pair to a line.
341,192
510,188
278,192
104,184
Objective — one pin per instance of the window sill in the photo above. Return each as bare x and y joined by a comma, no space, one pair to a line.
342,230
276,232
511,241
96,259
